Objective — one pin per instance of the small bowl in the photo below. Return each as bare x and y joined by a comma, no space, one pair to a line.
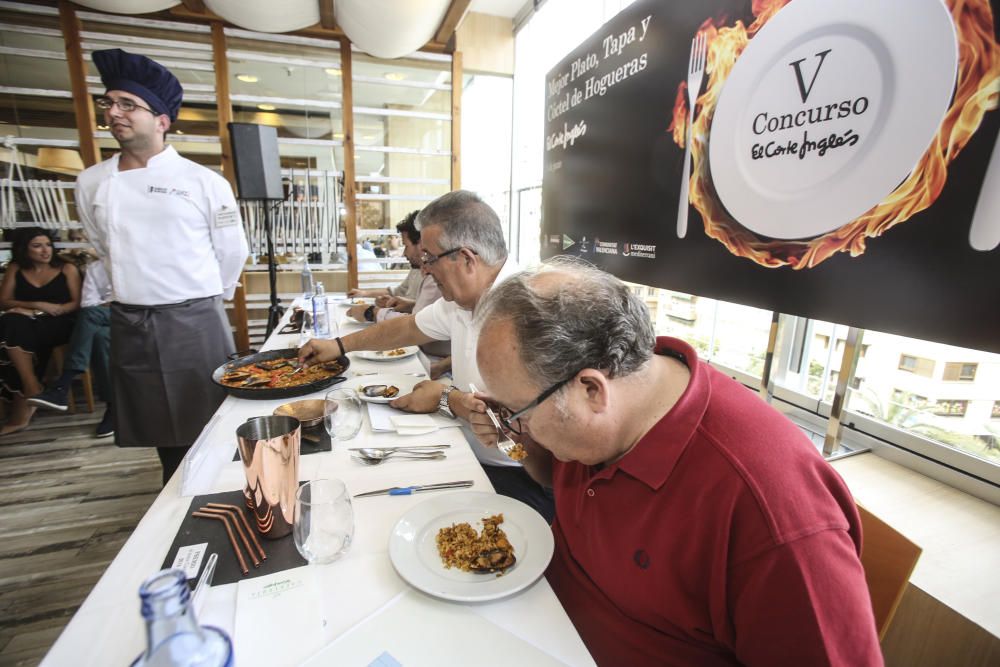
309,411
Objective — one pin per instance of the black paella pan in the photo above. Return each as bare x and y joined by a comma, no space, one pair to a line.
339,366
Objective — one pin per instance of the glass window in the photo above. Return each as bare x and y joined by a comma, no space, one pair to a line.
959,372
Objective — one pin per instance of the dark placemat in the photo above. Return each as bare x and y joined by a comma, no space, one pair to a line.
281,553
315,439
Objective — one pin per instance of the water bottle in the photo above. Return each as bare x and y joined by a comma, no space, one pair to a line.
321,313
173,636
308,287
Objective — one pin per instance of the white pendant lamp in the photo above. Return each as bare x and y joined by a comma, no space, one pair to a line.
267,15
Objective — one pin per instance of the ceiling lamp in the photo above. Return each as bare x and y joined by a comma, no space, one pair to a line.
332,71
248,78
267,16
59,160
266,107
395,76
388,28
128,6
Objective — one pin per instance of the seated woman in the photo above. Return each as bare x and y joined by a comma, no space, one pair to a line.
40,295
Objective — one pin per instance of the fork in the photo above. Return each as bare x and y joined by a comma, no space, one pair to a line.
696,73
504,443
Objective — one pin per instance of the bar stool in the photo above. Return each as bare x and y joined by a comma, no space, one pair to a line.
57,362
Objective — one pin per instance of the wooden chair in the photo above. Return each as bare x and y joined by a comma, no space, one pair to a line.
888,558
58,359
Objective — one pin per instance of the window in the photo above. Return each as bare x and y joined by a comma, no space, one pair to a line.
948,407
823,341
916,365
959,372
995,413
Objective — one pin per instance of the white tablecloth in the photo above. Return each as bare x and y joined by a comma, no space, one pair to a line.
354,591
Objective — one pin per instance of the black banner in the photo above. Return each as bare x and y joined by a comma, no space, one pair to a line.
837,150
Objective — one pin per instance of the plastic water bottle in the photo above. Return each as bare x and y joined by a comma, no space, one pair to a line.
321,313
173,636
308,286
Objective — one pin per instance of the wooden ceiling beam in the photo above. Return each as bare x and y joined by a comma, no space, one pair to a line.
327,18
456,12
196,6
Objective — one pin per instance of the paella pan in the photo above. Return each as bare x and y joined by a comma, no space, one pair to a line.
277,374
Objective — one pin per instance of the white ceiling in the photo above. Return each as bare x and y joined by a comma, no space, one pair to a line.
505,8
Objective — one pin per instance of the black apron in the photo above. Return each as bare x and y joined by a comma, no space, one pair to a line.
162,358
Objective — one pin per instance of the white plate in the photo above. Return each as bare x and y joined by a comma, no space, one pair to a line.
371,355
404,382
347,302
893,62
413,548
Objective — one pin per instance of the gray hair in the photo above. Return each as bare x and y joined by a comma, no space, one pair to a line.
466,221
584,318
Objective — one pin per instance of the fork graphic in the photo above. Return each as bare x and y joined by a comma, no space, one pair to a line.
696,72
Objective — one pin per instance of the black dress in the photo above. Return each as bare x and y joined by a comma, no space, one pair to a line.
38,335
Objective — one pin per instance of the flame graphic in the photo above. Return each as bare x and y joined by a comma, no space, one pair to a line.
976,92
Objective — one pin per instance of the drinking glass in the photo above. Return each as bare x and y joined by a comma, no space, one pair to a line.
342,414
324,520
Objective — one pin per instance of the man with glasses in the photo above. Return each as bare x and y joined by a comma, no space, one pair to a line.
168,232
695,525
464,251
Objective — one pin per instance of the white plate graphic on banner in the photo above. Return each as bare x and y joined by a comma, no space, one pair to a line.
828,110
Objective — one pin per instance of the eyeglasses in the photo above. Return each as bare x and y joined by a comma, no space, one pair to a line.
428,259
508,418
126,105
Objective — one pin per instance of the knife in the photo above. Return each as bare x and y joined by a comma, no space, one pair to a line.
397,449
407,490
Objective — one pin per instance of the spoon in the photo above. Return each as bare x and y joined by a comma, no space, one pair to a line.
374,457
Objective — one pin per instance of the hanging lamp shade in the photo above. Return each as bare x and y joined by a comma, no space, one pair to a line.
60,160
267,15
128,6
388,28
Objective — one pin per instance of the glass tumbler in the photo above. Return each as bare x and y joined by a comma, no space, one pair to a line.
324,520
342,414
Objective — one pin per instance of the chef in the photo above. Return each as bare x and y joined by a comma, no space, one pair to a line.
169,233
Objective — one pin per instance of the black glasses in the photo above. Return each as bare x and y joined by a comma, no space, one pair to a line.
428,259
126,105
508,418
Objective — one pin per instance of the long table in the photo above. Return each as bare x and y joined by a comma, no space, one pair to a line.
356,596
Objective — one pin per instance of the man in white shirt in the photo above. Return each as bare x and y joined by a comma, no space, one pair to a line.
169,232
463,249
412,295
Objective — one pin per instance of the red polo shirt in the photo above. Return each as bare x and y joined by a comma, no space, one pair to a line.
722,538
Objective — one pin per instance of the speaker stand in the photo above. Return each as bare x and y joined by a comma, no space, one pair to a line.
275,312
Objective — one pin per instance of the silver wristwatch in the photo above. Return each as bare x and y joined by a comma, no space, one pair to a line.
443,402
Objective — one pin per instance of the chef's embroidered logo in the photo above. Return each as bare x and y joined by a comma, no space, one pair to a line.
155,190
641,559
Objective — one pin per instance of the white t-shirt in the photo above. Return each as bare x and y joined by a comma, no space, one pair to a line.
96,288
444,320
168,232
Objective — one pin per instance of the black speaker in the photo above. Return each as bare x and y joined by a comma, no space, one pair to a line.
255,155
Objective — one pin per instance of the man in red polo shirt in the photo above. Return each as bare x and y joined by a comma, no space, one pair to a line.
695,525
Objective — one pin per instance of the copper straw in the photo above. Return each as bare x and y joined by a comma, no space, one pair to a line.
232,539
239,531
246,524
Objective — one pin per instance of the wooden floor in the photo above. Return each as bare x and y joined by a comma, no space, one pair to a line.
68,502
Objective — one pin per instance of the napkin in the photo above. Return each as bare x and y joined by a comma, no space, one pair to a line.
386,418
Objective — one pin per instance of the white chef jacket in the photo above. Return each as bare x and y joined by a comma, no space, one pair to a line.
446,319
168,232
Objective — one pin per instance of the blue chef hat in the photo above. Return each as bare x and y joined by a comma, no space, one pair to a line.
140,76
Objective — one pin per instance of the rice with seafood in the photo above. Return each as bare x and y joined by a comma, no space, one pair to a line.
460,546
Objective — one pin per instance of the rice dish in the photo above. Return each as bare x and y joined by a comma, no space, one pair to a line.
460,546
